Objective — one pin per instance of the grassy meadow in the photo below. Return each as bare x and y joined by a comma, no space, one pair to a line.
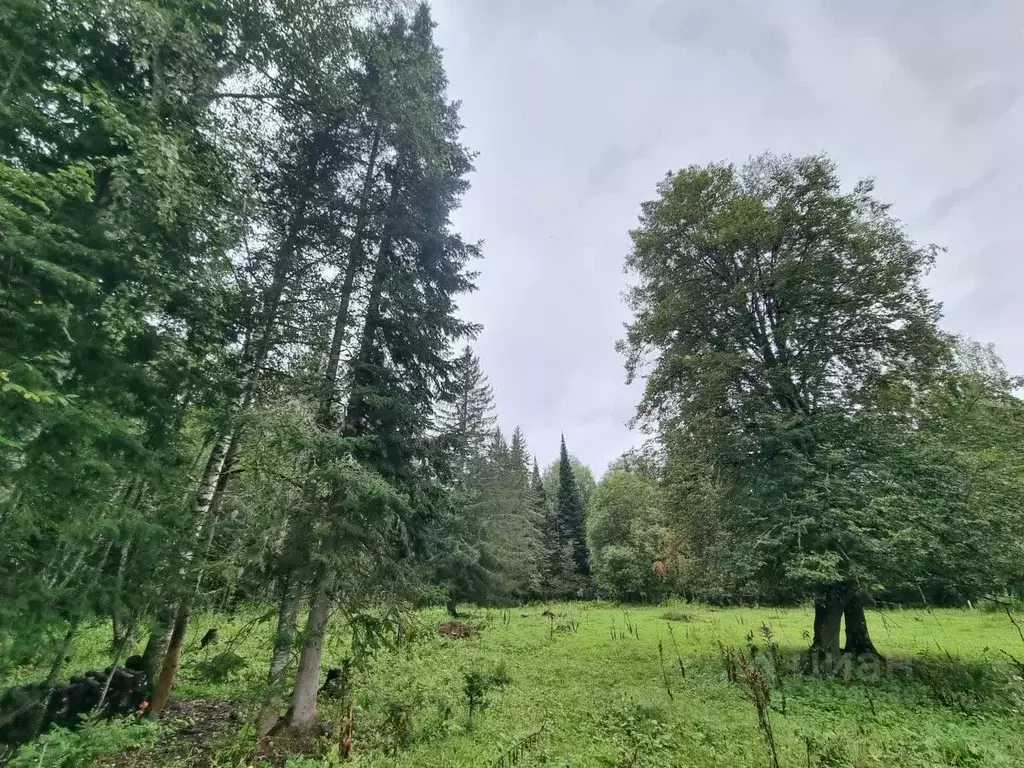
604,685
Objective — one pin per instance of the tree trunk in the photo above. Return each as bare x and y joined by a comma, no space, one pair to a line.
858,641
284,642
828,615
172,659
209,483
120,627
156,645
307,681
356,258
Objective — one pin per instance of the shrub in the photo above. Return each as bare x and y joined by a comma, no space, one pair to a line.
79,748
958,683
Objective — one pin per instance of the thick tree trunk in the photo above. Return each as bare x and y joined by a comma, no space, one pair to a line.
858,641
828,615
284,642
307,681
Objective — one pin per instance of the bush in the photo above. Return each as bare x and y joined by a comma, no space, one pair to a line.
64,748
623,532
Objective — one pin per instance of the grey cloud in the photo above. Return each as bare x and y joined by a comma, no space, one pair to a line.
729,26
995,278
943,204
611,161
985,102
578,107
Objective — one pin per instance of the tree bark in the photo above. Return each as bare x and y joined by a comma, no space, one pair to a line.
120,627
284,642
858,641
156,645
303,716
172,659
828,615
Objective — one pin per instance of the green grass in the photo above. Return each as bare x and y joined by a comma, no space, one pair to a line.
594,680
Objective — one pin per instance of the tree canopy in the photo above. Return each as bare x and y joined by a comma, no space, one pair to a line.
787,344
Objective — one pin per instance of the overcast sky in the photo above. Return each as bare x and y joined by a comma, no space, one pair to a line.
578,107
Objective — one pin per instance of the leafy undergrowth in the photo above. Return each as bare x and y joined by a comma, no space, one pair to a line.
599,685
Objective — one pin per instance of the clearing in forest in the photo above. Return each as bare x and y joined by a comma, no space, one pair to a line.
591,684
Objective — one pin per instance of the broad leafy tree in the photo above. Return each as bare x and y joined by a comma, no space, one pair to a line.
624,535
780,323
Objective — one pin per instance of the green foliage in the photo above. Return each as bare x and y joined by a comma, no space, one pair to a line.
794,358
641,734
62,748
221,667
966,685
584,478
624,534
568,558
477,686
489,546
886,715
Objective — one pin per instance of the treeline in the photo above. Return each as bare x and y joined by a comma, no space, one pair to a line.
514,534
227,325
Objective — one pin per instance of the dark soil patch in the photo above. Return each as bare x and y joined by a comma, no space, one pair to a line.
276,749
194,731
455,629
209,732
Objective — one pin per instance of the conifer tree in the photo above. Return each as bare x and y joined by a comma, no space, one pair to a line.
551,538
570,513
401,367
467,422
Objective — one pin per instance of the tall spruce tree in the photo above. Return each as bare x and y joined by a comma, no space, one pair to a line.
401,366
570,513
552,541
468,421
